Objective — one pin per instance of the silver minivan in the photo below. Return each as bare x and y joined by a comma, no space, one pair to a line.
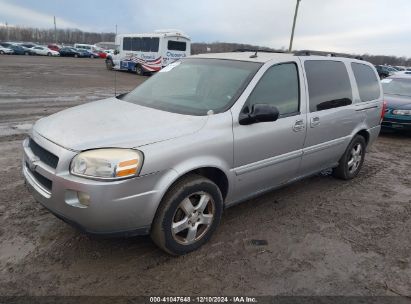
203,134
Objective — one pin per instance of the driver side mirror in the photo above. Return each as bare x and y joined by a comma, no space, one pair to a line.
259,113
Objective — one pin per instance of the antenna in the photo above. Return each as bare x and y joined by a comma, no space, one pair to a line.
115,70
255,54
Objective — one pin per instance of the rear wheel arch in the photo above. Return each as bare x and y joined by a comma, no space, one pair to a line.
364,133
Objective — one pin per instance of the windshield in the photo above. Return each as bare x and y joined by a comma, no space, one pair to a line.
397,86
195,86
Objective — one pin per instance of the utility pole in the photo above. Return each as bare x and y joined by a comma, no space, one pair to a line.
55,30
295,20
7,31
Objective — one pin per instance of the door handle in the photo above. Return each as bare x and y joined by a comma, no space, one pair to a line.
315,121
299,125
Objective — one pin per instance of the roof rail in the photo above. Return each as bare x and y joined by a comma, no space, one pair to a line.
257,50
326,54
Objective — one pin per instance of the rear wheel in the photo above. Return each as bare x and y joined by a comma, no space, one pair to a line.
351,162
48,54
139,70
188,215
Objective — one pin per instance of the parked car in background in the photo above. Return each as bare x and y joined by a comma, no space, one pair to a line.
72,52
28,45
106,53
5,51
54,47
86,53
385,71
87,47
20,50
398,68
5,44
44,51
206,133
397,94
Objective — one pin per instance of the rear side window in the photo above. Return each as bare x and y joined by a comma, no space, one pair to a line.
279,87
328,84
367,82
154,44
136,44
176,45
146,44
127,44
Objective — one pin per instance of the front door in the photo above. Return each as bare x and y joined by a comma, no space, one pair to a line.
268,154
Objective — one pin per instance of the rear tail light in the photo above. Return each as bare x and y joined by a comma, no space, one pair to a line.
384,108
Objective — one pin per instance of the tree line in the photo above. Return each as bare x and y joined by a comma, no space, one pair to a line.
218,47
71,36
46,36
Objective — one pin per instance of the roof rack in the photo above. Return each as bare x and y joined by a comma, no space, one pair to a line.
257,50
326,54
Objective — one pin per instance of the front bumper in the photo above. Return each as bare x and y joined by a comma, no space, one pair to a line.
396,122
125,207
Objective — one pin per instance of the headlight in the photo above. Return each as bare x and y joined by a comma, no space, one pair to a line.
401,112
107,164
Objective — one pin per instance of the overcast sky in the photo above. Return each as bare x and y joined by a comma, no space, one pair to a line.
355,26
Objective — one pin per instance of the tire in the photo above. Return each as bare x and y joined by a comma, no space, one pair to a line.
109,64
139,70
75,55
183,203
91,56
352,160
26,53
48,54
1,52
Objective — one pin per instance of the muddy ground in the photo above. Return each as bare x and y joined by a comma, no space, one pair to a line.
325,236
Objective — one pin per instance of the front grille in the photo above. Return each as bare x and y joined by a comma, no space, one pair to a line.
44,181
45,156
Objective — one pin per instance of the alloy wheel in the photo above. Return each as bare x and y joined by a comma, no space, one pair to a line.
193,218
355,158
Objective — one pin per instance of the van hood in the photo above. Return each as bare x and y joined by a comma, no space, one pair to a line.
114,123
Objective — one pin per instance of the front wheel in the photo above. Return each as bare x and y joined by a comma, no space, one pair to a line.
109,64
188,215
352,160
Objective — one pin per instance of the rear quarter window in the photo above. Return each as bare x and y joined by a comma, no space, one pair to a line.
367,82
328,84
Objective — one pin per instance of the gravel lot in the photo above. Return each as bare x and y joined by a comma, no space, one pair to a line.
325,236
